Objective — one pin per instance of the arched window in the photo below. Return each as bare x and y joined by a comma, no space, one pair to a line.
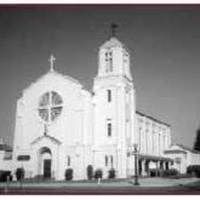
68,161
140,138
109,127
111,161
109,61
109,95
106,160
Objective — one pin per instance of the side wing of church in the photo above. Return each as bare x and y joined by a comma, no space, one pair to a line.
60,125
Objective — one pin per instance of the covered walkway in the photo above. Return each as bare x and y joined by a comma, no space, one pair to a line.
151,165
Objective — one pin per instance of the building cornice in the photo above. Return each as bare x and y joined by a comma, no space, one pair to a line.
152,118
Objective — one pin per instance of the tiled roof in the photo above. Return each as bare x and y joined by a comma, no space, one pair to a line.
154,158
175,151
188,149
152,118
112,42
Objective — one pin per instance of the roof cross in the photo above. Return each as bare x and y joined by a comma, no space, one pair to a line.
52,60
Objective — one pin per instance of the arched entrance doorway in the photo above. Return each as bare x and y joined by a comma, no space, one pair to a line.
45,162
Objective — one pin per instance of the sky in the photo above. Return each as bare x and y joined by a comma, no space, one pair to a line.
164,45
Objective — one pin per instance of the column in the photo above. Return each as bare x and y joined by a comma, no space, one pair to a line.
161,165
143,167
157,167
164,166
161,168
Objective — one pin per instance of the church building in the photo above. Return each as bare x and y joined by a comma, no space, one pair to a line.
60,125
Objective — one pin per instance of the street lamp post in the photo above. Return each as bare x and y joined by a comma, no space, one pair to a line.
133,150
136,182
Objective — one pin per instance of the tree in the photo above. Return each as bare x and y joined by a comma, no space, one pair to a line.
90,172
20,173
194,170
98,174
197,141
111,173
69,174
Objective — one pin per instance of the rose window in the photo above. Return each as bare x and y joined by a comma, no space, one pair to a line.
50,106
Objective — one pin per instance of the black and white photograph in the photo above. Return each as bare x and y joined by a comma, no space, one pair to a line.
99,99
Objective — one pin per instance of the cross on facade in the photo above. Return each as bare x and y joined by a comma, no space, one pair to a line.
52,60
113,28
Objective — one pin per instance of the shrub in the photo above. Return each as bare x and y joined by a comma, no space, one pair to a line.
69,174
89,172
20,174
194,170
98,174
155,172
5,175
38,177
170,172
111,173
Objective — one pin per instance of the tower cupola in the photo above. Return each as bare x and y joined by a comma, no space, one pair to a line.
114,58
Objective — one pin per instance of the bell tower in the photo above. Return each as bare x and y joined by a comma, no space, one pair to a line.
114,58
114,105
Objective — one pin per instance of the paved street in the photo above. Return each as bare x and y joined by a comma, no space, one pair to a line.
147,186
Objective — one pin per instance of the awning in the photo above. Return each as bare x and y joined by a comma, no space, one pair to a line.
154,158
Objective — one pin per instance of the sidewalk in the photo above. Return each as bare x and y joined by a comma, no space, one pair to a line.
165,182
147,186
144,182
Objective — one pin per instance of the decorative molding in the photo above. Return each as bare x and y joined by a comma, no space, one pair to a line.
54,140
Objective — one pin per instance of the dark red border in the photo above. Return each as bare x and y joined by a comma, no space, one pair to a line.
154,7
101,191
